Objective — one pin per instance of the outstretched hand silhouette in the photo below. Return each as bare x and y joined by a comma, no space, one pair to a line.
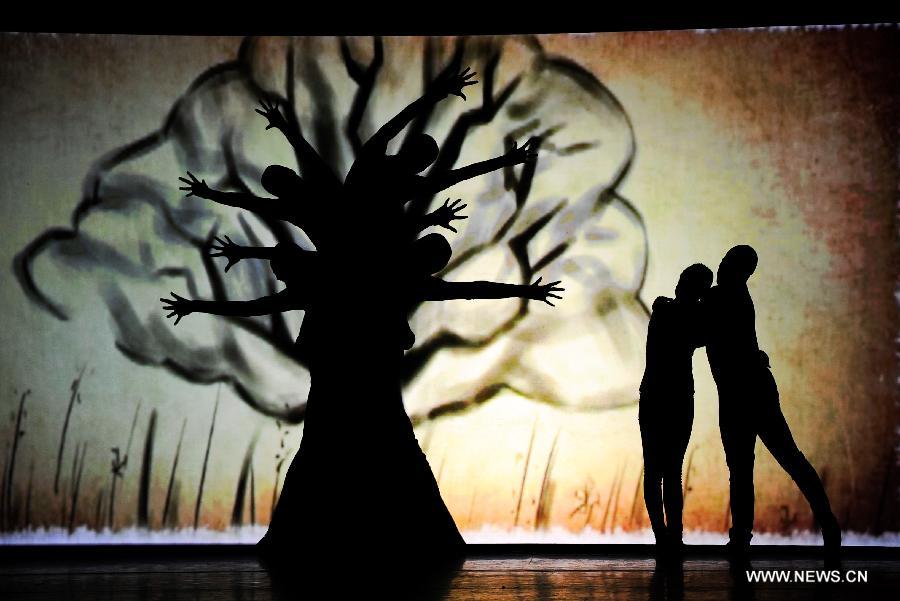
178,306
543,292
194,186
452,82
225,248
448,212
524,154
271,112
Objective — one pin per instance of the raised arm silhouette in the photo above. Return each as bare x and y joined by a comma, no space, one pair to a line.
375,174
312,166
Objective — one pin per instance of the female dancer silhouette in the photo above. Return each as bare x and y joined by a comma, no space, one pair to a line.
666,410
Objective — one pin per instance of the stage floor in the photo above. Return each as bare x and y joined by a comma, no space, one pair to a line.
234,573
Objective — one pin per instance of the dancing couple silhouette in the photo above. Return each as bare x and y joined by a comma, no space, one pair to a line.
359,477
723,319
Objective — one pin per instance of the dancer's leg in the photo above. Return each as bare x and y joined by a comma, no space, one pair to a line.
673,498
653,480
776,435
739,439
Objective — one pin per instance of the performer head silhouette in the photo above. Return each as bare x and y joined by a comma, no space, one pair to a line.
291,263
737,265
694,281
418,153
280,181
429,254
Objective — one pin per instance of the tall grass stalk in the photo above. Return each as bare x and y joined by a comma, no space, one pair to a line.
615,506
635,500
212,428
76,487
525,472
74,397
143,508
169,489
240,493
118,467
687,474
252,495
18,433
545,498
98,509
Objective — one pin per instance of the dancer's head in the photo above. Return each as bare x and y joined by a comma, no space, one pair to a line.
290,263
280,181
694,281
418,153
430,254
737,265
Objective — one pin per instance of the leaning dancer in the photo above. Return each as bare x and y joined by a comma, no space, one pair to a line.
666,410
749,404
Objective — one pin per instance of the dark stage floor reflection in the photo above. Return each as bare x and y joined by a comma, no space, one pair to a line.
142,574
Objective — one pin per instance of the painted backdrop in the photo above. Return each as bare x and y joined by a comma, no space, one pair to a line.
660,149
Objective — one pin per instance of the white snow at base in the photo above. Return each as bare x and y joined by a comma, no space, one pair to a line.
250,535
494,535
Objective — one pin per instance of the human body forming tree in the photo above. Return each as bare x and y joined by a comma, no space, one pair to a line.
367,272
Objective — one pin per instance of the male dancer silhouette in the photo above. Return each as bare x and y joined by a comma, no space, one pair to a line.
749,404
666,411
